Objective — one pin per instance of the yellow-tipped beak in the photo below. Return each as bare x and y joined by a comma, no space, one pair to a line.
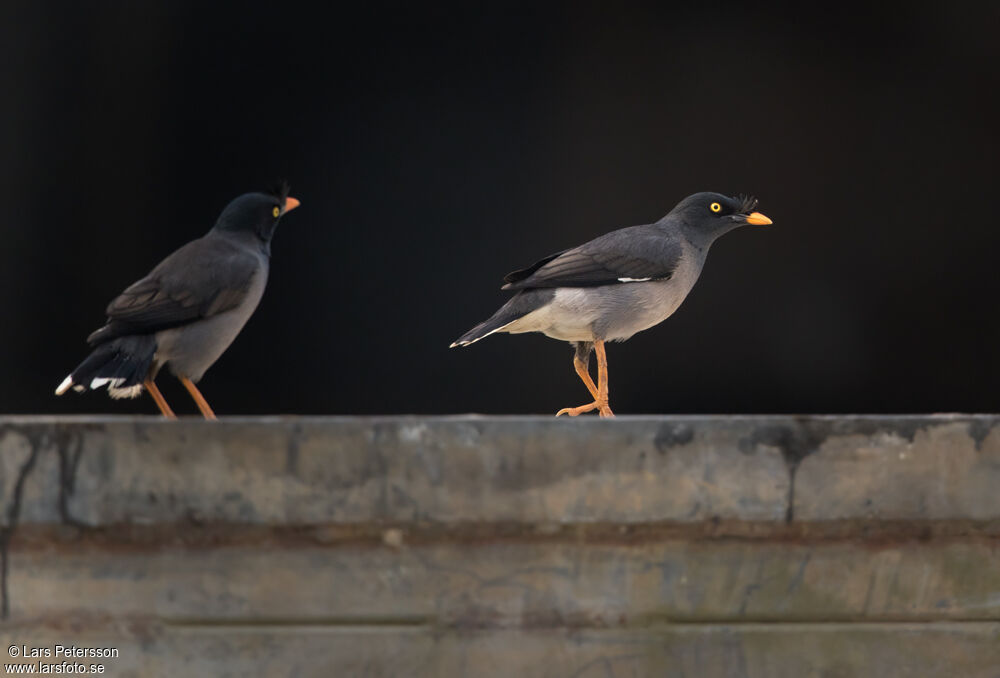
758,219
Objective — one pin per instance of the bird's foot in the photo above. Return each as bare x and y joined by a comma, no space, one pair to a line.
601,407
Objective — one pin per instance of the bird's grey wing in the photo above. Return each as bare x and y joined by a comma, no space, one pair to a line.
634,254
523,273
201,279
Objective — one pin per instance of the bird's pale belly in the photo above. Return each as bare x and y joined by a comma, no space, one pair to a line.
613,312
191,349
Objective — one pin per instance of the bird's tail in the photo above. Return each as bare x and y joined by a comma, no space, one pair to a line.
518,306
483,329
121,364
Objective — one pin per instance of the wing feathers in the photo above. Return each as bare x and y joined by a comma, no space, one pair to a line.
635,254
521,274
205,277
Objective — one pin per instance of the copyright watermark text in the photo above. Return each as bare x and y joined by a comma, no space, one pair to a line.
58,659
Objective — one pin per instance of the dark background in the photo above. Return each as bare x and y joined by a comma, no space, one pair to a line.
436,148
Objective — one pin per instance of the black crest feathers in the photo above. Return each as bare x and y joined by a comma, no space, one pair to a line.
280,190
747,203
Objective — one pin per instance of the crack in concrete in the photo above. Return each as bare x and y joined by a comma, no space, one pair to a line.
788,440
799,437
13,514
979,429
70,449
796,439
793,468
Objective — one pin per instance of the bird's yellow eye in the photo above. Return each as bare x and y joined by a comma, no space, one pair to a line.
715,207
276,212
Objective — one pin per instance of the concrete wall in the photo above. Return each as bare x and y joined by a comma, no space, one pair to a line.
529,547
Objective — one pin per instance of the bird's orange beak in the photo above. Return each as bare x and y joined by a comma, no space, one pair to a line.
755,218
292,203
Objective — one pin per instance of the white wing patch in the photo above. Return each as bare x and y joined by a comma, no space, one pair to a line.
626,280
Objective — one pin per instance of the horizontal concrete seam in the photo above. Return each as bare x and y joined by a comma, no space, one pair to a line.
80,619
943,624
450,626
184,536
147,624
651,621
298,622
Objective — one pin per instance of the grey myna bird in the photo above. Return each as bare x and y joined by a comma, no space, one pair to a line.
616,285
188,310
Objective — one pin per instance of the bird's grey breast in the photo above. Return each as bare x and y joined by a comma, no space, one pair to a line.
616,312
632,307
191,349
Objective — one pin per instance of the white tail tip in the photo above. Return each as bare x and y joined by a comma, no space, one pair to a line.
64,386
117,392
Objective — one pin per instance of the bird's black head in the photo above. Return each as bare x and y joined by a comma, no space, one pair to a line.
256,213
706,216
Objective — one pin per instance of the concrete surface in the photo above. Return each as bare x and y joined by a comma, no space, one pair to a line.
475,546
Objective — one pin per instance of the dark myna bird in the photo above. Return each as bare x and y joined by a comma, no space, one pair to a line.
616,285
188,310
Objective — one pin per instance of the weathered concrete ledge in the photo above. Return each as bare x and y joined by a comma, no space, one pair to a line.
525,470
486,546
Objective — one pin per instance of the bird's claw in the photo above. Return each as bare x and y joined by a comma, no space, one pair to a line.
602,408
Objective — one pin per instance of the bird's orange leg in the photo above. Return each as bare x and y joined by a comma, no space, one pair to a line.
600,392
161,402
584,374
199,399
602,380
